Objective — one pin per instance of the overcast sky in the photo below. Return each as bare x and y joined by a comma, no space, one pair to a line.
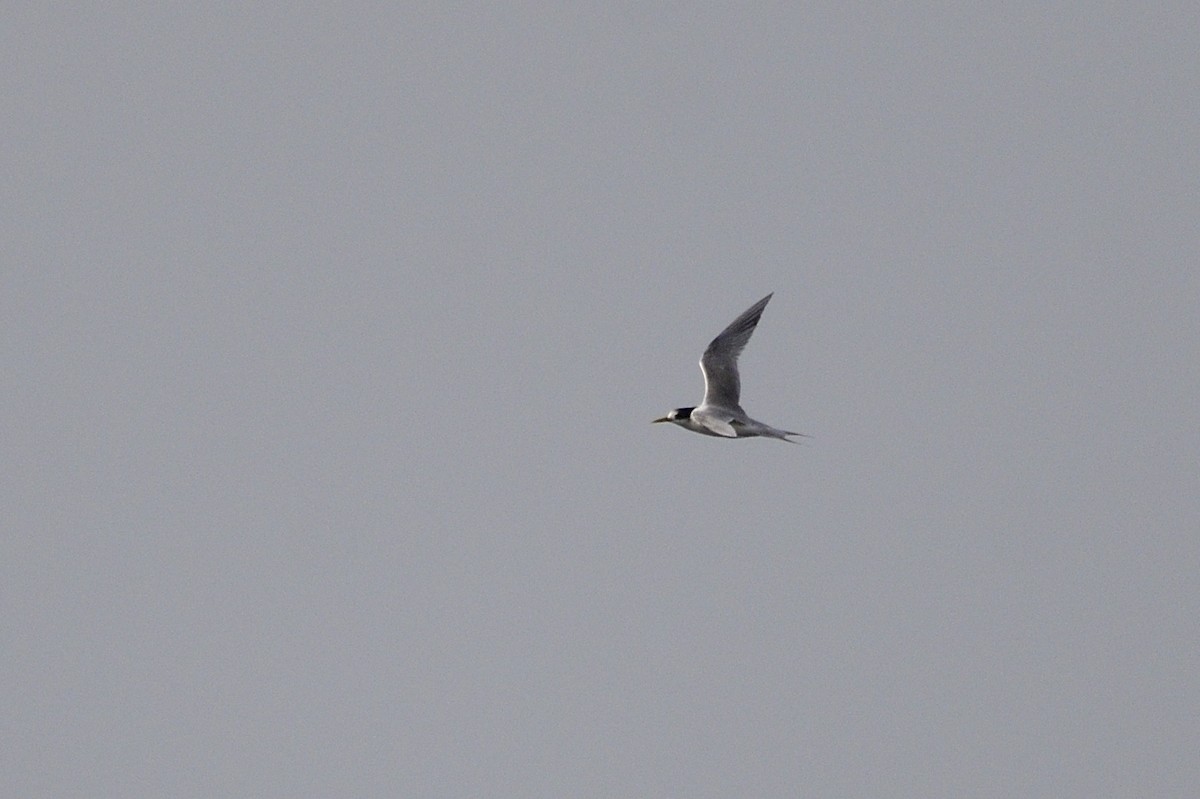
331,341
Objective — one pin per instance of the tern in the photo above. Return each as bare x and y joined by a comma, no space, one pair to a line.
719,414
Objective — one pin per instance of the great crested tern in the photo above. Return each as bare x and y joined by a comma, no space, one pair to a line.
719,414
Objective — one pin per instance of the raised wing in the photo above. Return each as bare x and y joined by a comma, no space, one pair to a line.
719,362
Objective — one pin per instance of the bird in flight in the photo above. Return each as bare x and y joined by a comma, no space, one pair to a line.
719,414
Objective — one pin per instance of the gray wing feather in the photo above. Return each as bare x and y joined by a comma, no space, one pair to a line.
719,363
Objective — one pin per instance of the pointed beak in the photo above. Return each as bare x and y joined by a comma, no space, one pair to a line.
663,419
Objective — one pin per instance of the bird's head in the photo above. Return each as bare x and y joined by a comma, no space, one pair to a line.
677,415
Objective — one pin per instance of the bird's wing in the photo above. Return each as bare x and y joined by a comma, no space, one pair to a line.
719,362
718,423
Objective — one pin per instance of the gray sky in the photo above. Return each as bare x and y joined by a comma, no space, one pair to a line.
331,341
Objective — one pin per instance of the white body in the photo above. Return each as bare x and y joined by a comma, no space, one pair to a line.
713,420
